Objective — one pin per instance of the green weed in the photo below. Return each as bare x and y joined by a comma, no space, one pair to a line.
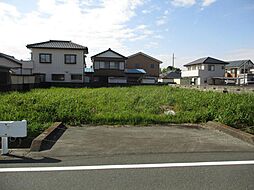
139,105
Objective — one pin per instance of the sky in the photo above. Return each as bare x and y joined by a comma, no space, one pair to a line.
191,29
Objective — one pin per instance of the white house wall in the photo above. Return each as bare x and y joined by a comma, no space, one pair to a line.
58,66
190,73
201,75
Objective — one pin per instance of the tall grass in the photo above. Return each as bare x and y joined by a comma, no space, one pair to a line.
129,105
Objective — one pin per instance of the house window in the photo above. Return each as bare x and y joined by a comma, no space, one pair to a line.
101,64
114,65
211,68
242,71
152,66
222,67
76,77
107,65
70,59
45,58
57,77
193,67
121,65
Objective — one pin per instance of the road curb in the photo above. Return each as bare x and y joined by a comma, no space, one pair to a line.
237,133
48,138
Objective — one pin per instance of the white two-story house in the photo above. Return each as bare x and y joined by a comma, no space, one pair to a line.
59,61
204,71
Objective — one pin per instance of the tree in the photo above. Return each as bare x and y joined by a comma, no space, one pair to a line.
170,68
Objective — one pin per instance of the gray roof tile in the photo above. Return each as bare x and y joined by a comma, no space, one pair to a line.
58,44
206,60
171,75
237,63
11,58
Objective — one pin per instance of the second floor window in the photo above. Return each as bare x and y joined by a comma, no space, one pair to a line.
116,65
211,68
70,59
152,66
45,58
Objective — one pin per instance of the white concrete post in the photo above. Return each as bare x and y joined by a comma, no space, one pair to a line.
4,145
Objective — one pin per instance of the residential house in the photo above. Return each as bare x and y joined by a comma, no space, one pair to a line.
109,67
240,70
13,74
204,71
59,61
149,64
170,77
7,63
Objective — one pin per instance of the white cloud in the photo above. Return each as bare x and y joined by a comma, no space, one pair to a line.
183,3
207,3
239,54
97,24
188,3
145,11
163,19
7,10
160,22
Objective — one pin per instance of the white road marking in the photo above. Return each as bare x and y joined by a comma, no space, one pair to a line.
127,166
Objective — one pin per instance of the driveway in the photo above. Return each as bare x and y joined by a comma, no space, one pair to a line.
107,140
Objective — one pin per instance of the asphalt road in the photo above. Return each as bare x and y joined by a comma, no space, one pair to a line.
201,177
122,147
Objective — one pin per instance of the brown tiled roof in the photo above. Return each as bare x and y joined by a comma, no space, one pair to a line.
58,44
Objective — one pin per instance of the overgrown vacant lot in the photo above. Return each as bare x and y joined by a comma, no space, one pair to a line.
129,105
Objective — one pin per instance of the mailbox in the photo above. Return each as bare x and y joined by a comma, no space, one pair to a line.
11,129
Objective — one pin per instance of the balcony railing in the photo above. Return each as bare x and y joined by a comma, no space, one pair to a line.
192,73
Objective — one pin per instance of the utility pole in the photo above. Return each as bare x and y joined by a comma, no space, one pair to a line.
244,74
173,60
